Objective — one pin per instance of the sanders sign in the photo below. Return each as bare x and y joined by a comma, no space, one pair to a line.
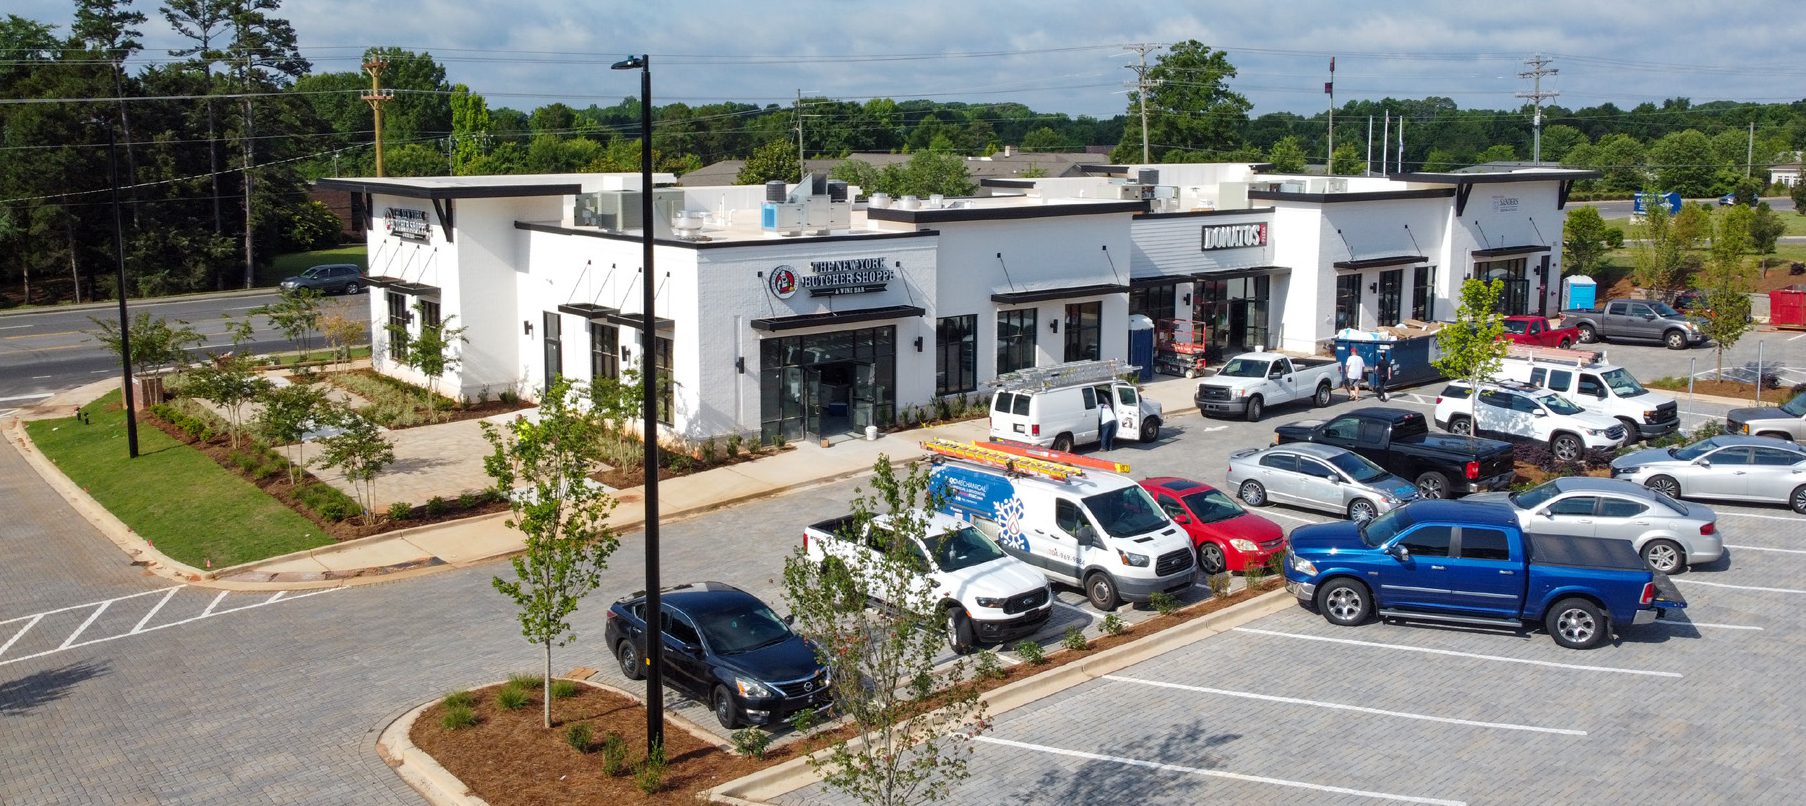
1234,236
409,224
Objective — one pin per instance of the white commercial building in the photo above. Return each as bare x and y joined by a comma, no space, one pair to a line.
798,310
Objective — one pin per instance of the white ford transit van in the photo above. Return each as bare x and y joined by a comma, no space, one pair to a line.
1056,406
1595,385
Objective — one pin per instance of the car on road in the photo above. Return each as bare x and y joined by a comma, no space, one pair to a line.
1786,421
1670,534
1535,331
1728,467
1468,563
724,647
1251,382
1525,413
1399,440
1227,537
1635,319
1320,477
329,278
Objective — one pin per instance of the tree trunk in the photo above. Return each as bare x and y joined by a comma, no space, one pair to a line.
250,257
545,692
75,272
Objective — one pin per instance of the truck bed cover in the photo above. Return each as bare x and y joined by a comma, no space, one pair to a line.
1583,552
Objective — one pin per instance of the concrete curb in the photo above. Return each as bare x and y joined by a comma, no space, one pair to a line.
758,788
132,303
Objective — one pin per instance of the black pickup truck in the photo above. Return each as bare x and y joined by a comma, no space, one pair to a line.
1442,465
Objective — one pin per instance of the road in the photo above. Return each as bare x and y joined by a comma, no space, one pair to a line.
42,352
1621,209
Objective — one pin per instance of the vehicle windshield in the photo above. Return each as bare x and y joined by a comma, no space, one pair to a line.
1517,326
1622,384
1357,467
1796,406
317,271
1535,496
1243,368
1377,532
1126,512
1662,309
960,548
1693,451
732,632
1561,405
1211,506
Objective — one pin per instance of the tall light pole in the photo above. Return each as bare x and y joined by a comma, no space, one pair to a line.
655,639
125,336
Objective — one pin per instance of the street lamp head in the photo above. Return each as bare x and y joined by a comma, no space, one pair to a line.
630,63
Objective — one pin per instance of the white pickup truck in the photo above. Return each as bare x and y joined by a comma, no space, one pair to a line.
988,596
1251,382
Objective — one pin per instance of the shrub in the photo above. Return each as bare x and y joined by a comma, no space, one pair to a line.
509,397
525,680
400,510
614,754
1164,603
459,699
650,777
988,666
733,445
751,742
327,501
578,736
1218,584
457,717
805,720
511,697
1113,624
436,506
1031,652
708,451
563,688
1074,639
470,500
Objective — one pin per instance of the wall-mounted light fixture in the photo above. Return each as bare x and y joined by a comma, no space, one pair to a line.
526,328
625,352
918,344
1539,271
1053,325
740,364
1373,288
1188,298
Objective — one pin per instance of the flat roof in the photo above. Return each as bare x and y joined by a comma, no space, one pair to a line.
458,187
1528,175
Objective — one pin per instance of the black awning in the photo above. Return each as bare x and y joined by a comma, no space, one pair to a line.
1511,250
415,289
634,320
837,317
380,282
1236,274
1376,262
588,311
1158,279
1068,292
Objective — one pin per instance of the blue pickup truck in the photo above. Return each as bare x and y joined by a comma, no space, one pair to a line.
1468,562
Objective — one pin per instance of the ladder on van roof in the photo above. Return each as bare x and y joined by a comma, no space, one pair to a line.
991,457
1555,355
1071,373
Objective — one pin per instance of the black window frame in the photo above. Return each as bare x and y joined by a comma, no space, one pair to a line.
431,314
1423,307
1156,302
604,363
1499,553
1348,301
956,354
1016,338
398,324
551,336
1391,296
1084,331
662,361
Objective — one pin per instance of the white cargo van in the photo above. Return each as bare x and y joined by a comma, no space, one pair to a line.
1094,530
1595,385
1056,406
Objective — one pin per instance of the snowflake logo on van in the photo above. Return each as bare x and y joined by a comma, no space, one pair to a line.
1009,519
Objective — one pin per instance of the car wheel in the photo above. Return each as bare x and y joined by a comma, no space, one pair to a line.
1631,434
1101,590
1566,447
1798,499
1344,602
1063,443
1433,485
1210,558
1254,409
959,631
726,712
1462,426
1322,398
1676,340
1150,429
1566,343
352,288
1588,335
1665,556
1362,510
1576,624
1191,373
1665,485
629,656
1253,494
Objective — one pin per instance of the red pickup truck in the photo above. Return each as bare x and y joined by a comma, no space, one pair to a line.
1535,330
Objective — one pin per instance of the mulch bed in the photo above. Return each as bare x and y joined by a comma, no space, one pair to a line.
1735,390
451,411
507,758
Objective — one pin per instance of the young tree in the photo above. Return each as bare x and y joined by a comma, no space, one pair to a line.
1347,161
776,160
296,315
435,351
1473,346
1766,229
913,724
289,412
340,332
1286,155
229,381
1658,251
359,451
157,343
1691,225
1798,194
543,468
1586,242
1727,280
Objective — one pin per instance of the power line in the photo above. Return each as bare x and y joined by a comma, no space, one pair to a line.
1539,67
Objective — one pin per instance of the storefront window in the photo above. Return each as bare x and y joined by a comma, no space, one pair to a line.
827,383
429,313
398,324
956,355
1422,308
1234,313
1516,298
661,364
1391,289
1015,340
1084,331
1154,301
604,351
552,335
1348,301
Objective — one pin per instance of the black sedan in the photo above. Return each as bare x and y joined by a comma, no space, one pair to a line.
726,648
329,278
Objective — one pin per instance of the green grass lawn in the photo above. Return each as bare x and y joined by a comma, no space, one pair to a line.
294,263
175,496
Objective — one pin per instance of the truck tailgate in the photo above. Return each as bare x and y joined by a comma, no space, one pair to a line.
1667,596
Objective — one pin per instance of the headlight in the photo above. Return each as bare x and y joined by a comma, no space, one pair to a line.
1303,566
1238,392
1649,415
1594,432
1243,545
753,688
1625,471
1137,560
989,601
1387,499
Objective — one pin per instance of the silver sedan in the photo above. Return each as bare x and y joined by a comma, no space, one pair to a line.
1670,534
1316,476
1724,467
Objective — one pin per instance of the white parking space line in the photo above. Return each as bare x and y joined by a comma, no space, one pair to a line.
36,616
12,398
22,630
1232,776
213,604
1341,707
1764,548
1452,653
140,629
14,327
1796,519
1797,338
1739,587
159,606
1705,624
79,630
1074,608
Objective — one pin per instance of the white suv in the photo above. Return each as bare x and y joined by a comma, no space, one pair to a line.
1519,411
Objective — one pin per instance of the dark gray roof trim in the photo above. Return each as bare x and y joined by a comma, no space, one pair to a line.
557,229
1068,292
418,192
1511,250
1203,213
1376,262
1247,271
1333,198
942,214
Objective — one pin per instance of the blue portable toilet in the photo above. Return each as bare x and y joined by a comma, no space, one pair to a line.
1141,345
1582,292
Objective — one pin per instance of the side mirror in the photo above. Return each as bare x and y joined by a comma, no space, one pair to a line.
1399,552
1541,413
1546,513
789,619
1087,535
1703,462
1181,519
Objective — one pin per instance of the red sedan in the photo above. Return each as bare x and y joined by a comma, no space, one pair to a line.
1228,537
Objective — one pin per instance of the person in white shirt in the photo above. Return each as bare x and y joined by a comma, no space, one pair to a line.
1353,370
1106,423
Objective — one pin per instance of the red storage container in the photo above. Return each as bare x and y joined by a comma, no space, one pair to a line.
1787,306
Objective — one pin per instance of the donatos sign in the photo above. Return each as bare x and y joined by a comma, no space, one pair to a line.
1234,236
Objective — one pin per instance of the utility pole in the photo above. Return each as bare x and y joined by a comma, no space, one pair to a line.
799,134
377,96
1749,163
1329,88
1385,140
1539,67
451,163
1142,85
250,123
1369,171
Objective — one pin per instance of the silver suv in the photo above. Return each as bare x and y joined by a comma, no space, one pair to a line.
329,278
1316,476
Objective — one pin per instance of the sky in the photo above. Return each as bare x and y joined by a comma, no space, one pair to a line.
1056,56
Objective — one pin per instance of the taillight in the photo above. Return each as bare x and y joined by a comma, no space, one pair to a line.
805,540
1708,528
611,615
1473,471
1439,400
1648,592
1035,430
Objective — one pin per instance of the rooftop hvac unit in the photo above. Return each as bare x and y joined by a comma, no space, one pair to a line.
1148,176
619,210
814,205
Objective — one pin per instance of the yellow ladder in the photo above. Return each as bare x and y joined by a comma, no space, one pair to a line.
978,454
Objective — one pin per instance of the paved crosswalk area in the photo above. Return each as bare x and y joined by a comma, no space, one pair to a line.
128,616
